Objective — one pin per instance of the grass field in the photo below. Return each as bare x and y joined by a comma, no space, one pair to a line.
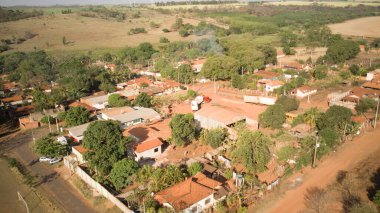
85,33
367,27
198,6
328,3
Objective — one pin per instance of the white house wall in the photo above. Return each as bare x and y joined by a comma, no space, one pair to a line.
149,153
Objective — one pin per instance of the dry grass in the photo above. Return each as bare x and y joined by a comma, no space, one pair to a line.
327,3
199,6
367,27
86,33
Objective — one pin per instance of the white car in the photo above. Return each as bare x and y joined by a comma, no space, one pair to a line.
62,140
55,160
45,159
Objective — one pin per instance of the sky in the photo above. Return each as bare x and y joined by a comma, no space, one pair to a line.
65,2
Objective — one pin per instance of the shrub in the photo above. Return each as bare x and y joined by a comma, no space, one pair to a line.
194,168
47,119
165,30
137,30
164,40
289,103
191,93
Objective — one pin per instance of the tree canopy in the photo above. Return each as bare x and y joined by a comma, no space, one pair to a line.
143,100
214,137
49,147
122,171
106,145
183,129
252,150
336,117
288,103
194,168
273,117
365,105
76,116
115,100
220,67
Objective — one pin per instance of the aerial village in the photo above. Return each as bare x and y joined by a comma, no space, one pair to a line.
222,123
212,116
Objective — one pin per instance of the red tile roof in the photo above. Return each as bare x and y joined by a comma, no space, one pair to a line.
188,192
80,149
273,172
267,74
12,99
139,81
306,88
147,145
79,104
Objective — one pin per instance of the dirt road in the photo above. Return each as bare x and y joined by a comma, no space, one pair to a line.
345,158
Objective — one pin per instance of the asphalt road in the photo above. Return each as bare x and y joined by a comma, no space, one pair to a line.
56,188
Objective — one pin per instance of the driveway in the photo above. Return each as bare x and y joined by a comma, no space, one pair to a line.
55,187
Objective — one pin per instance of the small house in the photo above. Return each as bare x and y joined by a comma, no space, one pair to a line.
78,151
148,149
304,91
98,101
195,194
77,132
272,85
271,177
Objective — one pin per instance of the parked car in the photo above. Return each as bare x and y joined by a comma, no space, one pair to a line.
45,159
55,160
62,140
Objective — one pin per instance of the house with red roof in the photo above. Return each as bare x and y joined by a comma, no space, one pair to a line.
195,194
304,91
148,149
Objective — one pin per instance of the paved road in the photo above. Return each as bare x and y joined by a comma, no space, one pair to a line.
61,192
347,156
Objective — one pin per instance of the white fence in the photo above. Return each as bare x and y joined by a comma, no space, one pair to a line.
71,164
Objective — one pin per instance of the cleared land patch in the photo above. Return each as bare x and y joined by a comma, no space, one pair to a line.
367,27
327,3
86,33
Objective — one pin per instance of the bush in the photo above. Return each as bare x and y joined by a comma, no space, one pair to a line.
164,40
137,30
214,137
286,152
165,30
289,103
191,93
273,117
355,69
47,119
183,32
115,100
194,168
154,25
228,174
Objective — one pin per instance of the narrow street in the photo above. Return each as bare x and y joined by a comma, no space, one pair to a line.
347,156
52,185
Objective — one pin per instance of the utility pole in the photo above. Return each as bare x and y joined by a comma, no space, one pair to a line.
23,200
315,150
56,123
377,111
49,123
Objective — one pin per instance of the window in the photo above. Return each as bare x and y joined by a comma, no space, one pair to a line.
207,201
156,150
194,209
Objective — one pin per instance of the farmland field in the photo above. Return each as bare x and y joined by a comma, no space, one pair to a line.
199,6
367,27
87,33
328,3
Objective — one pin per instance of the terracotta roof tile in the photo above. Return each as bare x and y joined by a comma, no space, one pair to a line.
188,192
147,145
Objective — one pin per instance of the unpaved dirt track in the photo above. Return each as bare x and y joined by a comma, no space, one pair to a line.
345,158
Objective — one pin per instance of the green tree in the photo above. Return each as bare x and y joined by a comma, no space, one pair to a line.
214,137
122,171
178,24
115,100
237,81
289,103
252,150
41,100
320,72
185,74
220,67
329,137
311,116
288,39
106,145
76,116
49,147
164,40
365,105
183,129
194,168
165,177
336,117
191,93
273,117
47,119
355,69
375,43
143,100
